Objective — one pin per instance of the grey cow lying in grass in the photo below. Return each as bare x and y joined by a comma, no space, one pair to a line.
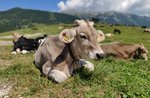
125,51
57,54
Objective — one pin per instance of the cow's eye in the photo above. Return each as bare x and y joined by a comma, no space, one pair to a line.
83,36
143,51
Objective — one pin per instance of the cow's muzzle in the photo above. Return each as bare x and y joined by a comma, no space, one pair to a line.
99,55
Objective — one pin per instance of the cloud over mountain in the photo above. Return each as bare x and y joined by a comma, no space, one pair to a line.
140,7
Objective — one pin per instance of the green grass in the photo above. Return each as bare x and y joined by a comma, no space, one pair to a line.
111,78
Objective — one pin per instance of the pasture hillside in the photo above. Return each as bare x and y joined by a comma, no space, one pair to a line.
18,18
111,78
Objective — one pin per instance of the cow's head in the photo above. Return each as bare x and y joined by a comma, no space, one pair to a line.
84,40
101,36
16,36
142,52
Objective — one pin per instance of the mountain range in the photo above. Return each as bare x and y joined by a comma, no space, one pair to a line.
17,18
112,17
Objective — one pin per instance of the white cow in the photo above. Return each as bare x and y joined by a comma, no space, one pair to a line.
109,35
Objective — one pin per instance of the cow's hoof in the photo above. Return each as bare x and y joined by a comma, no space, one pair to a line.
24,51
13,52
18,50
89,66
57,76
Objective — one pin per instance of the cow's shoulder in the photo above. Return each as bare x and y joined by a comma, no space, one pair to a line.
52,41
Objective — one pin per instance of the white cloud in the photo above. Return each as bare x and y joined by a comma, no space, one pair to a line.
140,7
61,5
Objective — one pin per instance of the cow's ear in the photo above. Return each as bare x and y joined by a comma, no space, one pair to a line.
141,44
91,23
101,36
80,22
83,22
67,35
137,52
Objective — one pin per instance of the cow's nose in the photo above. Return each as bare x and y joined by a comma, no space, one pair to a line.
99,55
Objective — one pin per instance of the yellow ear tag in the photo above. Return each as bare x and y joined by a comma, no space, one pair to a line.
67,39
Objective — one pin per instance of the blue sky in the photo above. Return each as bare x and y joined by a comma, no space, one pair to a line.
139,7
47,5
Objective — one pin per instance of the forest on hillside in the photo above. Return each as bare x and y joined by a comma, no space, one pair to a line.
18,18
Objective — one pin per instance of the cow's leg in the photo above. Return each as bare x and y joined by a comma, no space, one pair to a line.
46,68
57,76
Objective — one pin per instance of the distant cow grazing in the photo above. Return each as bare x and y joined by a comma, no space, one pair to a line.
125,51
144,27
101,36
117,31
23,44
109,35
147,30
59,55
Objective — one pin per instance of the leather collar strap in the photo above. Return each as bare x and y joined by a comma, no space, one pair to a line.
67,49
71,52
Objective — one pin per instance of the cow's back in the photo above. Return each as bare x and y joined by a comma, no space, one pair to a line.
110,47
119,50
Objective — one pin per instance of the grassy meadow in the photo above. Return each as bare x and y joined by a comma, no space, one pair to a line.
111,78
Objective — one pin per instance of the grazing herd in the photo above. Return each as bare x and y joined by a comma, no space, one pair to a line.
57,56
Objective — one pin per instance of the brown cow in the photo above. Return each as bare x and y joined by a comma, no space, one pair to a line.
57,54
125,51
